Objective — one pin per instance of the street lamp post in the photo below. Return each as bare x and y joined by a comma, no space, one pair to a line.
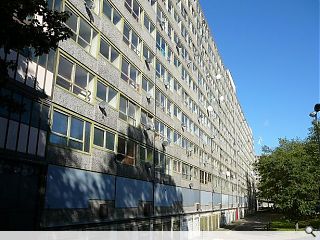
314,115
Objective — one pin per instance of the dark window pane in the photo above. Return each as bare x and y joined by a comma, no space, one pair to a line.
58,140
76,129
87,137
130,149
101,91
35,116
116,17
142,154
123,105
112,94
63,83
114,55
44,117
16,106
104,48
60,123
4,97
26,112
65,68
110,141
98,137
85,32
107,9
81,77
75,144
121,146
72,21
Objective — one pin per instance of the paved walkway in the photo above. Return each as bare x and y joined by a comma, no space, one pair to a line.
256,222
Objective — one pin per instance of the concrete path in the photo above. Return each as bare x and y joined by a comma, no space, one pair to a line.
256,222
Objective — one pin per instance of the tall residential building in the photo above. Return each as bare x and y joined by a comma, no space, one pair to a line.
131,124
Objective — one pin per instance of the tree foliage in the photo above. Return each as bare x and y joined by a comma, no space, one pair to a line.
290,176
30,24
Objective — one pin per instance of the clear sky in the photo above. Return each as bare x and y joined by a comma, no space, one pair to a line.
272,50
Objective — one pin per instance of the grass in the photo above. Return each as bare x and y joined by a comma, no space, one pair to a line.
286,225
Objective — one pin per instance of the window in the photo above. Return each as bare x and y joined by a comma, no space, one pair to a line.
177,138
177,87
160,70
70,131
131,38
107,94
148,55
133,7
161,44
111,13
129,73
176,166
161,100
186,171
23,123
74,78
146,155
148,24
104,139
109,52
127,111
127,150
162,163
147,85
146,118
83,33
34,71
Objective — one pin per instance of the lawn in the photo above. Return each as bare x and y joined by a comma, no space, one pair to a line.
286,225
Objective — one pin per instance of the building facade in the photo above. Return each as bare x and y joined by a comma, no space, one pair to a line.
131,124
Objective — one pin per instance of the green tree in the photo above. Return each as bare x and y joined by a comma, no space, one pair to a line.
289,178
30,24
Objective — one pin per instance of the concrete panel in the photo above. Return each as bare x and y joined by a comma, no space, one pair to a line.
166,195
129,192
74,188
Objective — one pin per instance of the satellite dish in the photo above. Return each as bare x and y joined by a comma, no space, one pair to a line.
148,96
149,60
218,77
191,185
166,83
210,108
149,126
165,143
89,4
102,107
221,98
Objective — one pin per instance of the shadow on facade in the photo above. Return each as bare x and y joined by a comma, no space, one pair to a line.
23,130
251,195
114,196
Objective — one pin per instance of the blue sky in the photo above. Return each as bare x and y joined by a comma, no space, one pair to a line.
272,50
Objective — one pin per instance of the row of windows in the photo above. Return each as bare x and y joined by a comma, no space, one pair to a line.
73,132
86,36
135,41
129,111
129,73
